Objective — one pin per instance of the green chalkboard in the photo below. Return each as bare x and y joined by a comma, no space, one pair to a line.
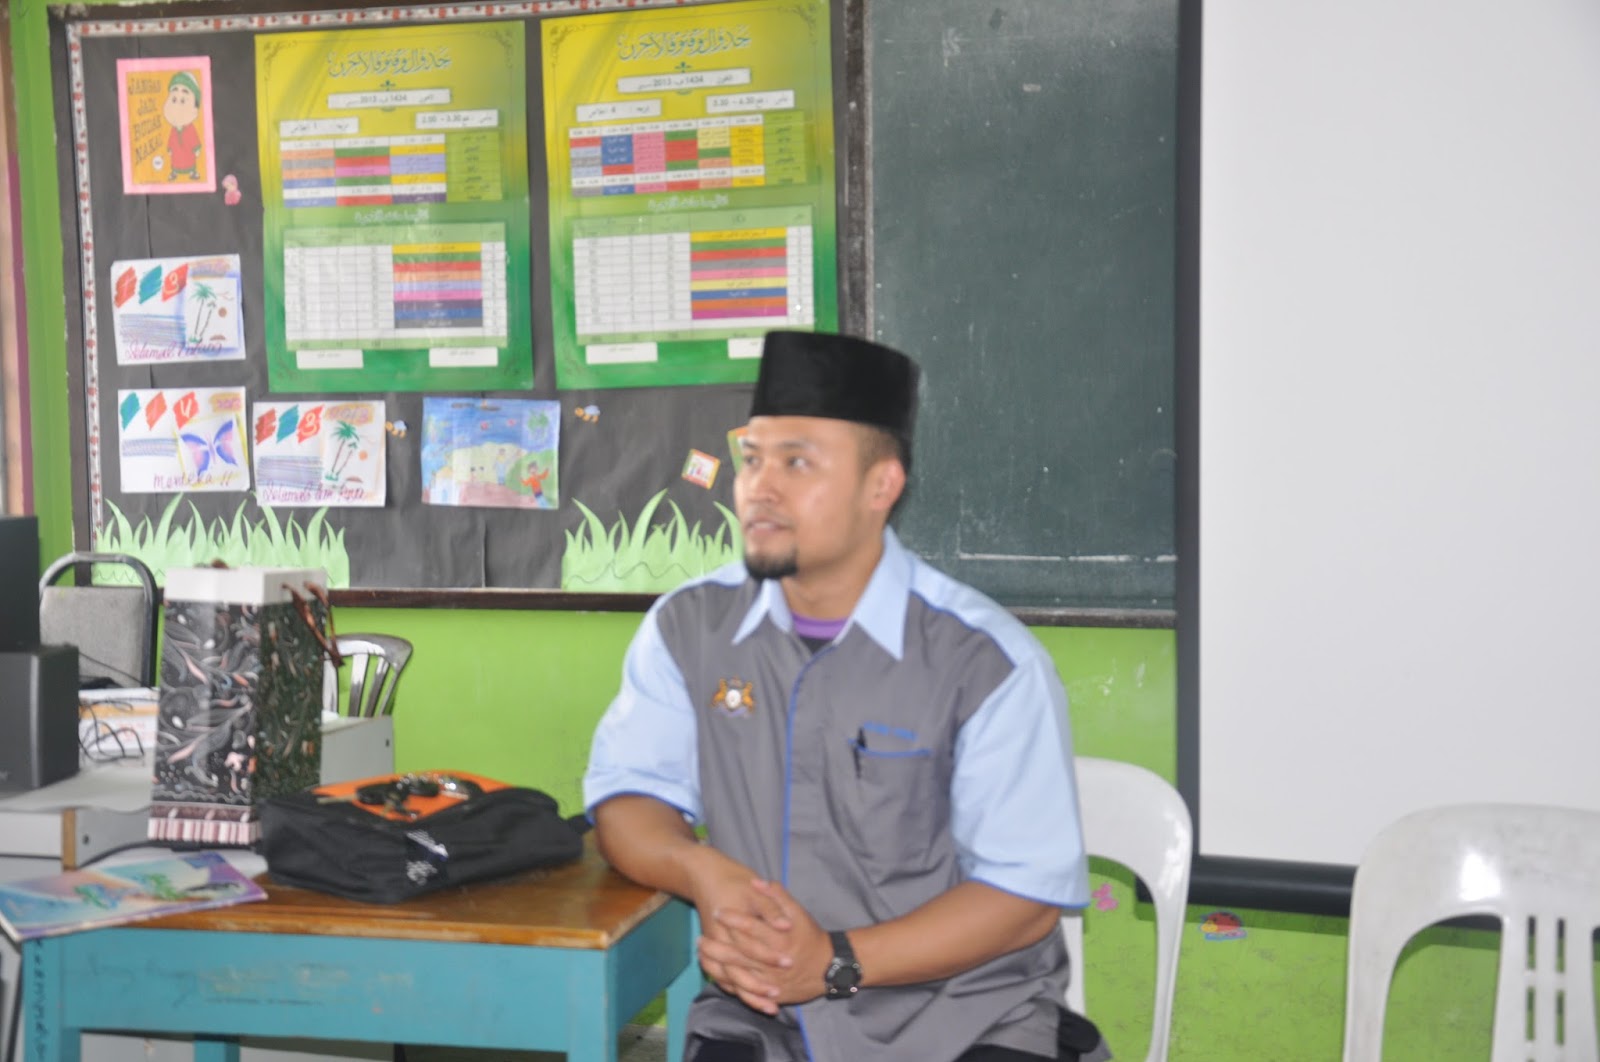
1023,182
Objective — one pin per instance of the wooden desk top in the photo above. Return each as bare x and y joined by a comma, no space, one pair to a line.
584,904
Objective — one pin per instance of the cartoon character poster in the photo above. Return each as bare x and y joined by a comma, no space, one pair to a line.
319,453
177,309
168,138
495,453
182,439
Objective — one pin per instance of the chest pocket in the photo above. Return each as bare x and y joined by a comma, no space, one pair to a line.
898,808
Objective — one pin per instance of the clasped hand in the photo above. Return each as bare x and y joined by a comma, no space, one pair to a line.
758,944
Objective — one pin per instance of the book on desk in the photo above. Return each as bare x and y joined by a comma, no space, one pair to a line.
104,896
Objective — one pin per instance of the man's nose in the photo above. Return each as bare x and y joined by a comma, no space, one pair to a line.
760,483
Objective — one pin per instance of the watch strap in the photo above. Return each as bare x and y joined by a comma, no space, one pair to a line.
843,977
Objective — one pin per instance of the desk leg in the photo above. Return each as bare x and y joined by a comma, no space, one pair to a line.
680,993
592,1022
44,1035
211,1049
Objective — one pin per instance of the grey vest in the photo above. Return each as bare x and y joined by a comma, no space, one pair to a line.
831,773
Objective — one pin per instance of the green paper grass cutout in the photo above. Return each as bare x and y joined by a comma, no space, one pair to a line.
237,543
646,557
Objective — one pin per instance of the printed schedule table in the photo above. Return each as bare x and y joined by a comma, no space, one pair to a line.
379,287
685,277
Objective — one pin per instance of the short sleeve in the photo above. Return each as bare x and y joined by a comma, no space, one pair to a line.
1014,796
646,742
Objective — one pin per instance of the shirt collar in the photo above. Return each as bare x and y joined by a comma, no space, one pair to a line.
881,612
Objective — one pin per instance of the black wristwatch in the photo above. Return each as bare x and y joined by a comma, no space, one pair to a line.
844,973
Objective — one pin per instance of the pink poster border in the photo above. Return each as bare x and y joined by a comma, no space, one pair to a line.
208,147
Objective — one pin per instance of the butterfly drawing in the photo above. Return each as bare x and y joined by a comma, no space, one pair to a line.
223,446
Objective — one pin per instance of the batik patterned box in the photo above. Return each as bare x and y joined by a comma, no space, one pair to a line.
240,716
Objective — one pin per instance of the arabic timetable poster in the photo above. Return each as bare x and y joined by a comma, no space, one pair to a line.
394,173
691,176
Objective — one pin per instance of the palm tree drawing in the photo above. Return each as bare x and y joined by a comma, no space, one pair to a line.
349,441
208,305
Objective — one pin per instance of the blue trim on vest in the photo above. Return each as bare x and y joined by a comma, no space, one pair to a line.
805,1037
788,752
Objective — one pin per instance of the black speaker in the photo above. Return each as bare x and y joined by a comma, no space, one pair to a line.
19,582
38,717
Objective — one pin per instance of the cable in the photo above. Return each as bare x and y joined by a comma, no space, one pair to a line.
117,673
16,1014
93,748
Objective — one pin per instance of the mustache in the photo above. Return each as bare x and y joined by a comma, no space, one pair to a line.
757,512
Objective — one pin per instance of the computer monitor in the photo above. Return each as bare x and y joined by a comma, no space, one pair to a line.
19,582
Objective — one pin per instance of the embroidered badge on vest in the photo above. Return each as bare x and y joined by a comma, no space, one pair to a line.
734,698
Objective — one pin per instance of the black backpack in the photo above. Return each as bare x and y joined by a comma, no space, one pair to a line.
390,838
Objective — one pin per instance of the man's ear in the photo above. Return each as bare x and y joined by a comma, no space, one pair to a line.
886,481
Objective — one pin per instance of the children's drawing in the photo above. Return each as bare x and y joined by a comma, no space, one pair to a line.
164,107
319,453
177,309
494,453
182,439
700,468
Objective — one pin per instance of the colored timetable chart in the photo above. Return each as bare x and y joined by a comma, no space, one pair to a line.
461,167
691,276
638,158
392,287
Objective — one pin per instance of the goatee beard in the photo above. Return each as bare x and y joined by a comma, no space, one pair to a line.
770,567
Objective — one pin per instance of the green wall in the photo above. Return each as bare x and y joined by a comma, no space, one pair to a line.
516,694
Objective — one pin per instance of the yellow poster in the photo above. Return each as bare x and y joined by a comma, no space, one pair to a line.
394,178
164,109
691,182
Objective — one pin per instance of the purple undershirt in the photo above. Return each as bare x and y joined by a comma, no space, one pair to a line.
819,630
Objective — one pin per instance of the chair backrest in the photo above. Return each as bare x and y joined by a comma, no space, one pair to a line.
375,661
1134,817
1536,868
113,626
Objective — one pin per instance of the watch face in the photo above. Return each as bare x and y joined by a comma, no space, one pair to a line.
844,977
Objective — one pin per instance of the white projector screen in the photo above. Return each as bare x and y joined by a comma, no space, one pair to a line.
1394,466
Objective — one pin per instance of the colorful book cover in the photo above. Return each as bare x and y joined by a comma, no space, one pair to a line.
107,896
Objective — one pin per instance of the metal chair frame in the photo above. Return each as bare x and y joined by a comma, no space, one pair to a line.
84,563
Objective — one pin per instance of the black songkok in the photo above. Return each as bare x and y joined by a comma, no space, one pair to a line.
817,374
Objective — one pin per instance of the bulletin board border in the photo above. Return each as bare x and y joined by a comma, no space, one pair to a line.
135,21
71,26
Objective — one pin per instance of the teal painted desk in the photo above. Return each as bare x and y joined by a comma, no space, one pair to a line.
552,960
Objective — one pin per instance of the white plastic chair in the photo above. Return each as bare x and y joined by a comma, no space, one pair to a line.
376,661
1536,868
1133,817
